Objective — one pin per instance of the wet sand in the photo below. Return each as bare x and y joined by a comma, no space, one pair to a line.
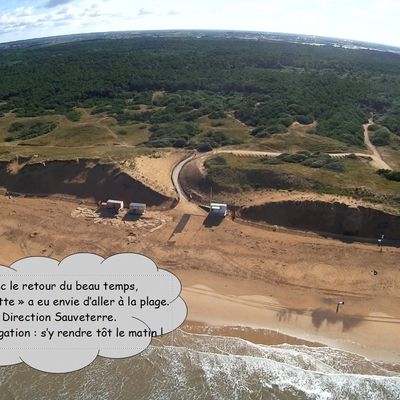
237,308
266,337
257,336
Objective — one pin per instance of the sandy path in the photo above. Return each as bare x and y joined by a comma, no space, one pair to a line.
185,205
377,160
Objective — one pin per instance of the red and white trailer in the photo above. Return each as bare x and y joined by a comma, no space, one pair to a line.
114,205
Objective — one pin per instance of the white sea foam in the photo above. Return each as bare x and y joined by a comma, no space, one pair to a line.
194,367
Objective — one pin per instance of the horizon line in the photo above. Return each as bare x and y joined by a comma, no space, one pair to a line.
389,46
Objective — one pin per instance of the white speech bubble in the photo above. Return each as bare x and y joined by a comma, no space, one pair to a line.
59,316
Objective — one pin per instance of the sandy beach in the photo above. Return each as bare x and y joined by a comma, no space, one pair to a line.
234,308
235,275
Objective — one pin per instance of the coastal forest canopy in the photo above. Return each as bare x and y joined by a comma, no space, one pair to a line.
267,85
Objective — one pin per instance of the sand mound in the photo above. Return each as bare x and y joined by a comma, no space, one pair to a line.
83,179
155,171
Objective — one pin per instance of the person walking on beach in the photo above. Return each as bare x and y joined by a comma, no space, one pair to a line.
338,304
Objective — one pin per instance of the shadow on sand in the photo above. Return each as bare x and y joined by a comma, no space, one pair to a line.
106,213
212,220
321,315
132,217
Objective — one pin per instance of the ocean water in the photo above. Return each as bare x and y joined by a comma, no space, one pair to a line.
190,366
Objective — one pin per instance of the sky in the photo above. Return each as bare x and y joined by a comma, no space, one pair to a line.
366,20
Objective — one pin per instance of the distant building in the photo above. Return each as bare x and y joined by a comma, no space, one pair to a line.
137,208
219,209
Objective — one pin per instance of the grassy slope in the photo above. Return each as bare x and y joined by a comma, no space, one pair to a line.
99,129
93,136
99,135
301,137
359,180
229,125
46,153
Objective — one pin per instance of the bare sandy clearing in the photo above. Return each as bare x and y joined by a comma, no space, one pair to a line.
155,171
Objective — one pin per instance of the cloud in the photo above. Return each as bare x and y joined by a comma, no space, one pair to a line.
126,292
23,11
56,3
143,12
22,18
374,21
62,11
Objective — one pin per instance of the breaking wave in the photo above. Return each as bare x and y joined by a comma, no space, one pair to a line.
192,366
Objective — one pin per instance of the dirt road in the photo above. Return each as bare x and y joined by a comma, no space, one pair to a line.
184,203
377,161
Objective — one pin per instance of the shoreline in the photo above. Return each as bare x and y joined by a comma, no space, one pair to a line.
268,337
228,306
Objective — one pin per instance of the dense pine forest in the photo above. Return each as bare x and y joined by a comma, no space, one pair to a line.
266,85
